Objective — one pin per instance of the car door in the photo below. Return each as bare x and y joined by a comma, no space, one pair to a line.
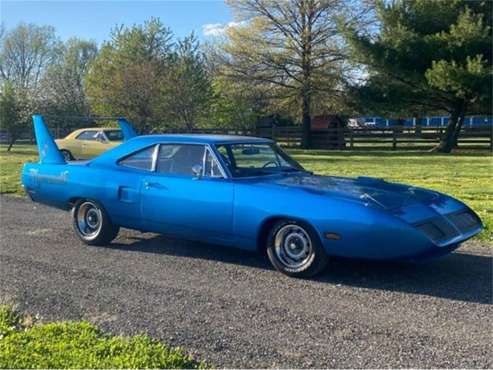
123,196
74,144
84,141
188,195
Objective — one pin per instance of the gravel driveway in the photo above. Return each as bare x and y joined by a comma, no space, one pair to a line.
231,309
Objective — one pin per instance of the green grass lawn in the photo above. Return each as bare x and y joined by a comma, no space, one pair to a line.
11,164
465,175
79,345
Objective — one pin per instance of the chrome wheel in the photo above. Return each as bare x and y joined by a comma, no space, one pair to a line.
89,220
293,247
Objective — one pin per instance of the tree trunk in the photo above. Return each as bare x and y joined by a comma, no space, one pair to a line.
458,127
449,139
306,91
11,143
306,128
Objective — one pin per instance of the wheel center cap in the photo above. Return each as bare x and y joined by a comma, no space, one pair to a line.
295,246
92,219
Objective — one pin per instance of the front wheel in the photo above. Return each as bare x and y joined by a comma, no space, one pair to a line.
295,249
92,224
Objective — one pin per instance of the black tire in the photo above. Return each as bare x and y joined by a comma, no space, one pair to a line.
92,224
291,238
67,155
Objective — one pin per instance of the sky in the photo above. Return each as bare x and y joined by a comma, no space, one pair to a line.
94,19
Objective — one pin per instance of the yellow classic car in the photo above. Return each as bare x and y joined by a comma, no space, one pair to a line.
86,143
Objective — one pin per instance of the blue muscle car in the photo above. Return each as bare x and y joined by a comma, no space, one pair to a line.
244,192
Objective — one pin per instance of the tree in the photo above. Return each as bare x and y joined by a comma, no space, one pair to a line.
126,76
25,52
429,56
292,48
186,87
232,106
62,85
12,113
155,82
234,103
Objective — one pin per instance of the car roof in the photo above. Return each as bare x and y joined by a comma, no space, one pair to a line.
97,129
200,139
140,142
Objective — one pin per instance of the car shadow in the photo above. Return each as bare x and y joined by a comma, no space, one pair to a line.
171,246
460,276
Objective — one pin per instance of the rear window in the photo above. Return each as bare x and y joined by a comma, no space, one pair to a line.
87,135
141,160
114,135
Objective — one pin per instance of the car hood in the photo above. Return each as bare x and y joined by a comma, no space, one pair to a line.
369,192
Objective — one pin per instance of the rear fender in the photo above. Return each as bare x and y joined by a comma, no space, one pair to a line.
48,184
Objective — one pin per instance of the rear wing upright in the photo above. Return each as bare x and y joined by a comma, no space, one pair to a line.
47,148
128,130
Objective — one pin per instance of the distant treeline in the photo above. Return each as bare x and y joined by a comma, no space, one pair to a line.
295,59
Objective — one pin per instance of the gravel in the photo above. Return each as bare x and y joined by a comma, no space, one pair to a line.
231,309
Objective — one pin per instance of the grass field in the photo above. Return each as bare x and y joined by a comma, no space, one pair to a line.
79,345
465,175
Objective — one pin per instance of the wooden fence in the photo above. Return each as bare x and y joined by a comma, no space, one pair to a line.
361,138
393,138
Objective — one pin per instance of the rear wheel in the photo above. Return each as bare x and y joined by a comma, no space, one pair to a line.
92,224
67,155
295,249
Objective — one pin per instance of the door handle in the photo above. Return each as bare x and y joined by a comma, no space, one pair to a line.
150,184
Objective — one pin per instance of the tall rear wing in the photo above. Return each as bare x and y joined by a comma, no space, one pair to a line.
127,129
47,148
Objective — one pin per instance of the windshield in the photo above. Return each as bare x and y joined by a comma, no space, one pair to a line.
245,160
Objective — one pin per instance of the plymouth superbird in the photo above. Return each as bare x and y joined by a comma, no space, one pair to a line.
244,192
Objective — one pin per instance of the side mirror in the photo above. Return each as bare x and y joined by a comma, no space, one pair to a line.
197,171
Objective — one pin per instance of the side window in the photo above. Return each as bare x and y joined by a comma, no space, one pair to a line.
141,160
178,159
211,166
87,135
223,152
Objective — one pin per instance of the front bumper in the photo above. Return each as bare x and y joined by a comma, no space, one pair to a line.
452,228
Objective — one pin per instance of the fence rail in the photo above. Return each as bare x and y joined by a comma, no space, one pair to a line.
381,138
392,138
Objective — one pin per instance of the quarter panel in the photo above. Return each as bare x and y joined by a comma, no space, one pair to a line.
118,191
74,146
57,184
